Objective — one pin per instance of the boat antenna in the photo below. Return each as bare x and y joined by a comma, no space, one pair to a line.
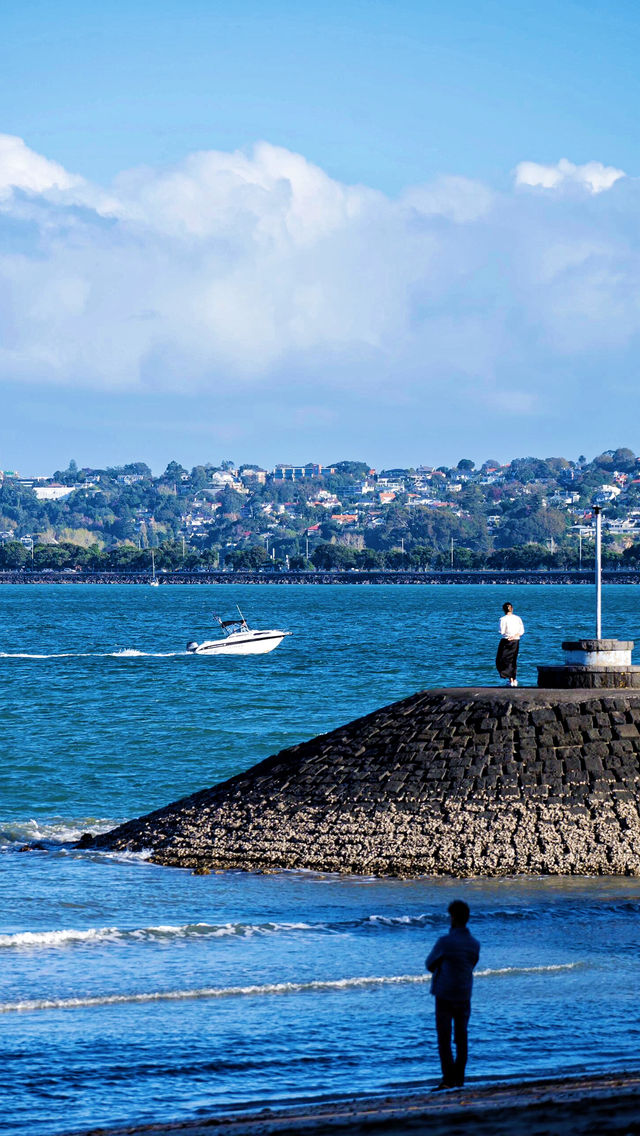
240,614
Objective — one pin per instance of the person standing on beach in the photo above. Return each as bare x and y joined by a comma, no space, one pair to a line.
511,631
451,963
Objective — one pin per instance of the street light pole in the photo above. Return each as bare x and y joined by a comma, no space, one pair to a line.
598,516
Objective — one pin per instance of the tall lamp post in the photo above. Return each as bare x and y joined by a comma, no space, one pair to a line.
598,515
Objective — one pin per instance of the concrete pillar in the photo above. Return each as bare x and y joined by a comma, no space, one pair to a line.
593,663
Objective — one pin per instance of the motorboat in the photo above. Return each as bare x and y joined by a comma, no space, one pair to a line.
238,639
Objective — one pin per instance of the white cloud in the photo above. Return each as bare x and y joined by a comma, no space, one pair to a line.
259,271
23,169
457,198
592,175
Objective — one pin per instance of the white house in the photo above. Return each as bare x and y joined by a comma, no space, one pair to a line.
606,494
53,492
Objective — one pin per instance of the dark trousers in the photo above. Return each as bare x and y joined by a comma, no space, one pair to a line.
507,657
452,1014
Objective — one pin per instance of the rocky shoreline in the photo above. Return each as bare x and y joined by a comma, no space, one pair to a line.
458,782
503,577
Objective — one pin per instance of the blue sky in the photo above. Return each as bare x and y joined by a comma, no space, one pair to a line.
272,231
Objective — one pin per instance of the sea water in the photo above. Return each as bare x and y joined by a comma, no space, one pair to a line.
132,993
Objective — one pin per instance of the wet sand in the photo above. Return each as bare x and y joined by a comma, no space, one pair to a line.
581,1106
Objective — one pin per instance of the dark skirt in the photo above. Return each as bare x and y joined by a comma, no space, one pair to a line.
507,657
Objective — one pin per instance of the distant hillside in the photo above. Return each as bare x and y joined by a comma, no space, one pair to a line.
531,513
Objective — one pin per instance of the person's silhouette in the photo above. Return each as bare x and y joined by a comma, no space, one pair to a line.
511,632
451,962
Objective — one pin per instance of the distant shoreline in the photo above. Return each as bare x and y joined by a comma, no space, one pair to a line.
502,578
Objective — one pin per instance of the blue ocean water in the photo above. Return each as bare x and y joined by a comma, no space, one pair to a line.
131,992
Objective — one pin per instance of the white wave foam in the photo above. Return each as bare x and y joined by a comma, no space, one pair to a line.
57,938
210,992
267,988
69,936
119,857
500,970
57,831
398,920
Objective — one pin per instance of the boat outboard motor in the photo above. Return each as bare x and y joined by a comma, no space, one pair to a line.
191,646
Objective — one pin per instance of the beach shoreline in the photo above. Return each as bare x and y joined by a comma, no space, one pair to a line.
578,1106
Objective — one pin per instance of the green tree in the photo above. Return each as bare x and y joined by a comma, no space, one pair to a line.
531,525
248,559
369,560
230,501
527,556
127,558
55,556
138,469
421,557
329,557
173,473
605,460
624,460
397,560
300,564
351,468
13,555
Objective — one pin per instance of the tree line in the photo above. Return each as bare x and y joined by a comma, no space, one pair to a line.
173,556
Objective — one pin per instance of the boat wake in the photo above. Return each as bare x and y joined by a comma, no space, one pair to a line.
123,653
267,988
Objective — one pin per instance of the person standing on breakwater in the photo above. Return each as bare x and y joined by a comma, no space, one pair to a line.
451,962
511,631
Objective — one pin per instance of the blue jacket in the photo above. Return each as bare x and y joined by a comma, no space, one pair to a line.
451,962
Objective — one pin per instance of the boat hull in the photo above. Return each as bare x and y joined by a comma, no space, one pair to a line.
258,645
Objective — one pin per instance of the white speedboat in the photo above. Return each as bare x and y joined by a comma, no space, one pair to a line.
239,639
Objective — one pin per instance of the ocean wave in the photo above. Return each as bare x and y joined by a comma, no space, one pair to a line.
57,830
57,938
70,936
494,915
403,920
550,968
267,988
200,930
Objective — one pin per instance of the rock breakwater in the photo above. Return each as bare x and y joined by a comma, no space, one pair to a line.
461,782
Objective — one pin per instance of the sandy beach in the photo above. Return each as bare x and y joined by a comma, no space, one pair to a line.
581,1106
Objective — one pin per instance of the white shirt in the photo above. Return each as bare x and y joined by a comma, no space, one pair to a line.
511,626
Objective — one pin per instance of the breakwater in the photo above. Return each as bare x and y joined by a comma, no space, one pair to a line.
459,782
504,578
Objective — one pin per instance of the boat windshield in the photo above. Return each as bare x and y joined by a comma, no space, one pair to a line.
231,626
